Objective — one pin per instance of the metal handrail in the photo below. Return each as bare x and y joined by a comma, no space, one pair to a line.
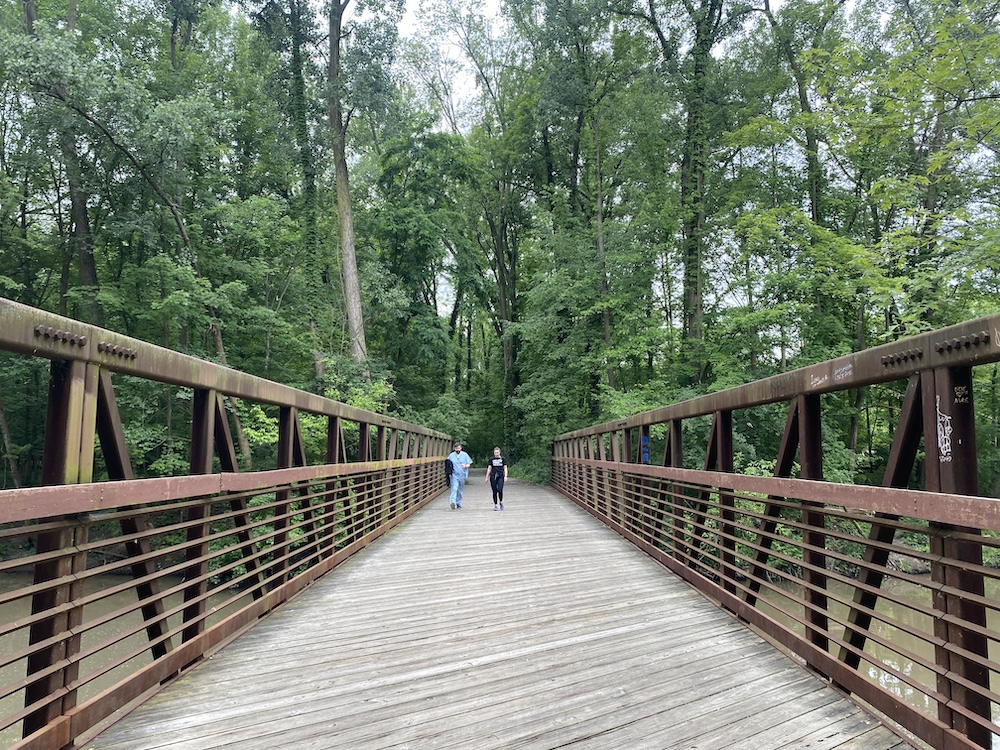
813,564
119,586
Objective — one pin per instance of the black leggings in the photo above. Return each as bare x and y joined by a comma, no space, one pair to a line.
496,483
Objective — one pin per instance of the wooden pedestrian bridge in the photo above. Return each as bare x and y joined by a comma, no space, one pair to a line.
650,597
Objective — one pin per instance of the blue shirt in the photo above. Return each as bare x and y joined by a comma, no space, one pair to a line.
457,459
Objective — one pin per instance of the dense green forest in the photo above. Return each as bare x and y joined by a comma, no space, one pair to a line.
503,227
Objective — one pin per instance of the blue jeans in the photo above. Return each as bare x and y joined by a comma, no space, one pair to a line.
457,487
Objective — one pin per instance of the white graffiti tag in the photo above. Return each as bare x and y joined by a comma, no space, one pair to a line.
943,433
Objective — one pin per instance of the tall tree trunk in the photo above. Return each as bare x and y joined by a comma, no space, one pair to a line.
814,172
468,356
319,279
30,16
319,363
453,332
81,239
505,266
601,260
706,19
339,121
693,168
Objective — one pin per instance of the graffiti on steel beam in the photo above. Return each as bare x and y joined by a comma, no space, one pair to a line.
944,431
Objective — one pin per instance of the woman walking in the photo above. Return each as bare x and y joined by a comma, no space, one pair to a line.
496,473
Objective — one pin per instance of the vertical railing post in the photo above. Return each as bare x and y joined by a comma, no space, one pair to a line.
364,442
615,511
427,474
196,552
362,484
629,489
673,455
403,497
727,501
337,492
392,474
951,466
603,487
644,499
380,485
591,484
68,458
560,476
814,538
381,435
569,469
287,419
566,470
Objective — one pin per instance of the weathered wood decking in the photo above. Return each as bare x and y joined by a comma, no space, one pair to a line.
535,627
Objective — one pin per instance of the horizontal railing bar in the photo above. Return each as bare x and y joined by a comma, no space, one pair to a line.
182,605
909,604
929,727
941,507
173,570
709,527
88,713
929,586
39,502
870,635
888,596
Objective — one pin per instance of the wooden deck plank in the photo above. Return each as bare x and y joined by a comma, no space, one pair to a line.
535,627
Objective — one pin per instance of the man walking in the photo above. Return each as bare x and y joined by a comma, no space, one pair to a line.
460,461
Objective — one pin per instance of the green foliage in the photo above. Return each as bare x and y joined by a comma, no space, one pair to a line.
260,429
448,415
525,245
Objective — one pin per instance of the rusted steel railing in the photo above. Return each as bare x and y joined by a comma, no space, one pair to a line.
883,590
111,589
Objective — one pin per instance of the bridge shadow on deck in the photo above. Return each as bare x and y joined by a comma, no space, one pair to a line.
535,627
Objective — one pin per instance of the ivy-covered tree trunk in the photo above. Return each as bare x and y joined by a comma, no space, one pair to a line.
602,266
339,121
298,39
706,19
505,265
